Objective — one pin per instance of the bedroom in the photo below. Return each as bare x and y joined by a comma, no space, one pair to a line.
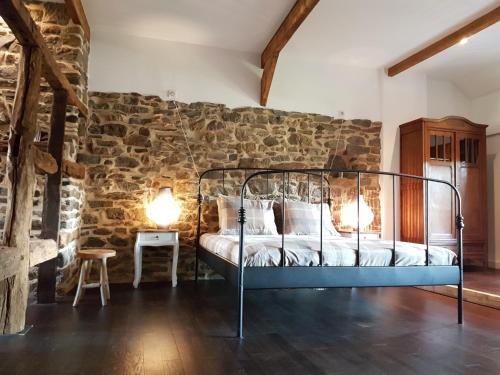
154,94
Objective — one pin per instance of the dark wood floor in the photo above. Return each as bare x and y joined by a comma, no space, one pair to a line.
485,281
158,330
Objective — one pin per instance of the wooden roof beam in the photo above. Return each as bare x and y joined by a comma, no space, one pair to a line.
42,250
269,57
19,20
10,262
77,14
448,41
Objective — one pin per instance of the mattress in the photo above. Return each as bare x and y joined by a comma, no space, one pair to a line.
304,250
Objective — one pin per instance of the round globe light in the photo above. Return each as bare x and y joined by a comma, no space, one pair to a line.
164,209
349,214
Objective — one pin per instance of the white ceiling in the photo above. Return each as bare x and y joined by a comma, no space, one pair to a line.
242,25
365,33
474,67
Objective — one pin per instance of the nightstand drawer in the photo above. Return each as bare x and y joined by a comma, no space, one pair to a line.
152,237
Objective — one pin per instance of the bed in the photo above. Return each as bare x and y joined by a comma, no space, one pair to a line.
322,259
304,251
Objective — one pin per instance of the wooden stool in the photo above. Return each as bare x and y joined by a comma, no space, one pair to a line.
87,256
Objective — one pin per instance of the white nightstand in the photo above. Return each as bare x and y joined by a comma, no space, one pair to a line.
155,237
362,235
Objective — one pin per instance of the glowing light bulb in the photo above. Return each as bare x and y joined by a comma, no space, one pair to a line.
463,41
349,214
164,209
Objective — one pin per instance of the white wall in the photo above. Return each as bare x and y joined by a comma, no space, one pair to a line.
493,150
131,64
445,99
402,98
486,110
127,63
325,89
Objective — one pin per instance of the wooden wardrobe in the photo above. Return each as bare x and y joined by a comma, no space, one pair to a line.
451,149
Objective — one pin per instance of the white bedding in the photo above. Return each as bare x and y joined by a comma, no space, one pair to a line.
303,250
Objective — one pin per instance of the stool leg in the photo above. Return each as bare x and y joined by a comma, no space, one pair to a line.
86,277
102,285
81,283
89,270
105,266
175,259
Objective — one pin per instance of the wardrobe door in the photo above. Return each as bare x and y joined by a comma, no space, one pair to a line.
441,165
470,183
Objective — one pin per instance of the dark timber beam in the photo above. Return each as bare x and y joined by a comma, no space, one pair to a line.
267,78
77,14
448,41
10,264
269,57
19,20
21,180
52,198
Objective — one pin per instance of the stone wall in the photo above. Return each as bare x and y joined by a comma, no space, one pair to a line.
135,145
66,40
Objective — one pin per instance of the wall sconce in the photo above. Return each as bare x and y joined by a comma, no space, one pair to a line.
164,209
349,214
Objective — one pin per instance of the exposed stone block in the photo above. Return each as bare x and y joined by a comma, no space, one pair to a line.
137,140
94,242
115,213
271,141
88,159
126,161
118,241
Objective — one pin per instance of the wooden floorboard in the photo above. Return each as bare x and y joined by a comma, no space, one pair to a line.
483,280
189,330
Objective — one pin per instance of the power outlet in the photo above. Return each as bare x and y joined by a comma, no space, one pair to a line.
171,94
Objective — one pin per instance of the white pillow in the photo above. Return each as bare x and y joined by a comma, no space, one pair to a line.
259,215
304,218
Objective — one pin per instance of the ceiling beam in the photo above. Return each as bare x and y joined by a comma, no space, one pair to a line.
269,57
19,20
267,78
77,14
448,41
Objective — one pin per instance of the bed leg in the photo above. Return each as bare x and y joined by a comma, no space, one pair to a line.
239,330
460,303
459,224
196,268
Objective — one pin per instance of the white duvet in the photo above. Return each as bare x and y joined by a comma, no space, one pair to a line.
263,250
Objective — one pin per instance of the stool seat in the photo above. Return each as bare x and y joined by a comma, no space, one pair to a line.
93,254
87,256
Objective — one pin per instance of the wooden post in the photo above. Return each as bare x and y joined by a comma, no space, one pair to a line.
52,197
21,177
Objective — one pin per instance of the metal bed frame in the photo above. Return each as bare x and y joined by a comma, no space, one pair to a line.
330,276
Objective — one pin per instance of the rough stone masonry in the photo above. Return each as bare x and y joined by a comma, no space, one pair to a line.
66,40
135,145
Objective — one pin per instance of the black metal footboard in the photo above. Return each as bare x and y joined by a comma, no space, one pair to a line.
324,276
